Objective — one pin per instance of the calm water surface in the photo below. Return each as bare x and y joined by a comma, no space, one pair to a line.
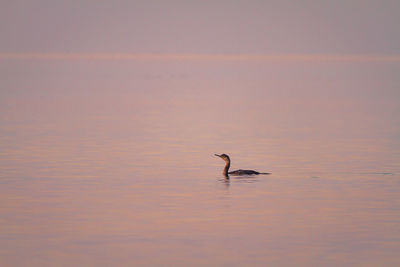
110,163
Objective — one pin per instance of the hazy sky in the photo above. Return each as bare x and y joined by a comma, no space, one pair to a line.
172,26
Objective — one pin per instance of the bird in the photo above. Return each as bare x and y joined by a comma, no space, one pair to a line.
226,171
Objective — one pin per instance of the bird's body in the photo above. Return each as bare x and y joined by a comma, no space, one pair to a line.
226,171
243,172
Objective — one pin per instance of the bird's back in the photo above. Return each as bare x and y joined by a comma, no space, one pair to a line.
243,172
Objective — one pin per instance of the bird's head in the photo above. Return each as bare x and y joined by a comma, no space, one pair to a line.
225,157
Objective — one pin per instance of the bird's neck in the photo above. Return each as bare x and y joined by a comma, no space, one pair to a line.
226,169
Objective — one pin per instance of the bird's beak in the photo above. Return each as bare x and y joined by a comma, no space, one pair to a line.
217,155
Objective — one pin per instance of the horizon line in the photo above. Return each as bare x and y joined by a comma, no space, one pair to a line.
201,57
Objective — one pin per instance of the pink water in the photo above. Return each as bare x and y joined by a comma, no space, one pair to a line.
110,163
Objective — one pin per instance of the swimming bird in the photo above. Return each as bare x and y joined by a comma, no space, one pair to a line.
226,171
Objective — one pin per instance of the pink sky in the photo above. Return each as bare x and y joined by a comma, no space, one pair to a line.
216,27
202,57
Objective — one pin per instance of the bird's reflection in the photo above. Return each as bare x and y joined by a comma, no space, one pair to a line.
226,180
246,179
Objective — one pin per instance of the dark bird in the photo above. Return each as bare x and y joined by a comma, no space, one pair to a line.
226,171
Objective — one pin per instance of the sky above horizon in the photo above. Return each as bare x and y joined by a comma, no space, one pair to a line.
216,27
